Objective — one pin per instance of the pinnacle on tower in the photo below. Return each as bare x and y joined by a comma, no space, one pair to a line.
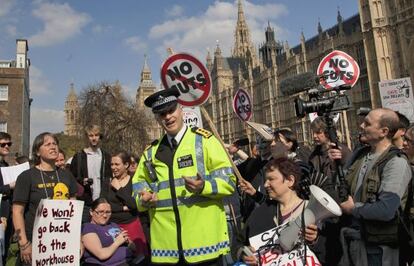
146,76
145,67
243,45
319,26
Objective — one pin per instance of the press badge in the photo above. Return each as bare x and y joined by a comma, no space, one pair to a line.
185,161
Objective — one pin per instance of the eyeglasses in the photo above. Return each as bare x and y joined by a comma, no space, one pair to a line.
6,143
101,213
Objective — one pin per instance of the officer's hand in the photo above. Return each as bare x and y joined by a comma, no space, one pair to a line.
348,206
194,185
148,198
335,153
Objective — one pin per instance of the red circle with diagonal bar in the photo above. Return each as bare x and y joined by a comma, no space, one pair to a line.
338,68
187,74
242,105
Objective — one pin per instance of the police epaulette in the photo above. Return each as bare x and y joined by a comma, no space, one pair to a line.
201,131
152,144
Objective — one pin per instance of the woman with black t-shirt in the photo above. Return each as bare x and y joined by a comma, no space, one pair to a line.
124,208
40,182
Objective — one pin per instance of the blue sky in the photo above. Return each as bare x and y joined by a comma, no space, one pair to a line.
96,40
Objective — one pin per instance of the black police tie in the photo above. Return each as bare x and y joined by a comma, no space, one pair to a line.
174,144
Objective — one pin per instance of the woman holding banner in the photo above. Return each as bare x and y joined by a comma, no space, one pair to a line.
124,209
284,204
105,243
40,182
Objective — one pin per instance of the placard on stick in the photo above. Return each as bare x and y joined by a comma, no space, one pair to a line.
190,76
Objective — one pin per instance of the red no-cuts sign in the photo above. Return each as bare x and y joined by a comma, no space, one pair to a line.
189,76
242,105
338,68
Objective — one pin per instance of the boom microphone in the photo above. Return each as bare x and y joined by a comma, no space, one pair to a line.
298,83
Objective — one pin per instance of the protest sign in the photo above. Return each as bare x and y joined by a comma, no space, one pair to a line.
338,68
189,75
56,233
397,94
242,105
10,173
192,117
270,253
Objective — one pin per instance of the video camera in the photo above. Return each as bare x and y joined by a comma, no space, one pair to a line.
323,101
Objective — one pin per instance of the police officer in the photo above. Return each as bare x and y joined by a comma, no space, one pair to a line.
181,180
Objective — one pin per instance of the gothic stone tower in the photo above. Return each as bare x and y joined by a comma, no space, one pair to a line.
388,32
146,88
72,113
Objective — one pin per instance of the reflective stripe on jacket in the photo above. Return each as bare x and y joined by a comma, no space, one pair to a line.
183,223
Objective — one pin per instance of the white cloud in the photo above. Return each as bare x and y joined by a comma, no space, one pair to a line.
6,6
175,11
195,34
135,43
42,120
98,29
39,84
61,23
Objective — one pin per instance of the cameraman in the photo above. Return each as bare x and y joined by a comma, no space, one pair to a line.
322,162
320,159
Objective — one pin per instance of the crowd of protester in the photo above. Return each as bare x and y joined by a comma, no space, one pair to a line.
121,196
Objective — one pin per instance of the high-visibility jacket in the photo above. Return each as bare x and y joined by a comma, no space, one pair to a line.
182,223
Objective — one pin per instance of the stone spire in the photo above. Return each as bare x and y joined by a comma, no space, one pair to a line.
286,49
243,46
319,27
146,76
72,110
146,86
218,58
340,24
209,61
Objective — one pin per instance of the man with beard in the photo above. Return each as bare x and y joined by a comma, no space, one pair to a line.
91,167
181,180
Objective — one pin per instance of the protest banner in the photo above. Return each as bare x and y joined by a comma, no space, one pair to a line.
397,94
270,253
56,233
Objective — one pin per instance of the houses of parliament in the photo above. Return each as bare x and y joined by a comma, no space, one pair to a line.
380,38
